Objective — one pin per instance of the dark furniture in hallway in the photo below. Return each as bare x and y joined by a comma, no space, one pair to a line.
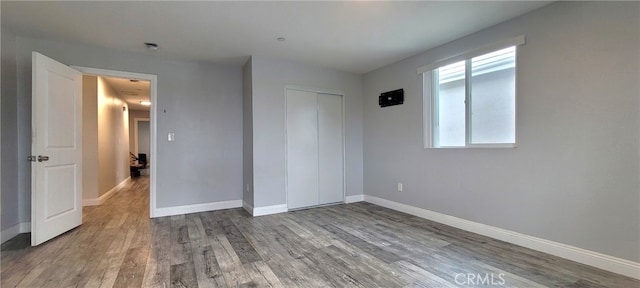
137,163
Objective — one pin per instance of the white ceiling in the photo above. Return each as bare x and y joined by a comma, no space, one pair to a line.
131,92
354,36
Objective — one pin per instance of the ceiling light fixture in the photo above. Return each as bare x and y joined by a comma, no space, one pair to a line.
152,46
145,103
281,39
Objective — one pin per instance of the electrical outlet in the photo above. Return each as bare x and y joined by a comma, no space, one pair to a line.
399,187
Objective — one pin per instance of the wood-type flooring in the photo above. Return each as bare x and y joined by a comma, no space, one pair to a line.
353,245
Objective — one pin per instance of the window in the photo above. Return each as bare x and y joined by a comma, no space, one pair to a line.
470,101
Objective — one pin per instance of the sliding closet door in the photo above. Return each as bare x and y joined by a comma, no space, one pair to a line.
330,152
302,149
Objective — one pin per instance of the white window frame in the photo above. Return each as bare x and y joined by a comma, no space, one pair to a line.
429,112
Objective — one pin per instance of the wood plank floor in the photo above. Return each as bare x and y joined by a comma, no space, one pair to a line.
355,245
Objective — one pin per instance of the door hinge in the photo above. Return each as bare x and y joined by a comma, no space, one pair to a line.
31,158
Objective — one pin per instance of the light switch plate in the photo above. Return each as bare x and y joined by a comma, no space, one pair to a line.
171,137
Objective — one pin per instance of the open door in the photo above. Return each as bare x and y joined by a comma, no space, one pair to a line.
56,171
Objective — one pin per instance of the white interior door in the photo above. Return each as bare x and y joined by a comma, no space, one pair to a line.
56,179
330,149
302,149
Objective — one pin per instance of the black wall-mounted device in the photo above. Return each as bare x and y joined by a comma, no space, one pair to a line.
395,97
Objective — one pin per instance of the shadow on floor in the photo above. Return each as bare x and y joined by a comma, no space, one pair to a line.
16,243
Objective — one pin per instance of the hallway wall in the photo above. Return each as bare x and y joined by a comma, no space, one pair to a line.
90,137
113,138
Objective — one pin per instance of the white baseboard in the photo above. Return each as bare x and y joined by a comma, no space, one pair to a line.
354,198
91,202
195,208
25,227
587,257
268,210
105,196
13,231
247,207
113,190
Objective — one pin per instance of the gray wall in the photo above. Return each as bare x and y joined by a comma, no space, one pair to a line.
9,122
247,132
269,79
574,177
200,102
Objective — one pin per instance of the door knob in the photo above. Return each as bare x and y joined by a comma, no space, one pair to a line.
43,158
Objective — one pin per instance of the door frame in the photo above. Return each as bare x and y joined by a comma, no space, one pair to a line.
344,136
153,79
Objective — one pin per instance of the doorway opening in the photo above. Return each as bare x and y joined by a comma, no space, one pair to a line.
140,143
57,115
134,132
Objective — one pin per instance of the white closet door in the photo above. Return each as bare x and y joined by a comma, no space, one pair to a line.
302,149
330,150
